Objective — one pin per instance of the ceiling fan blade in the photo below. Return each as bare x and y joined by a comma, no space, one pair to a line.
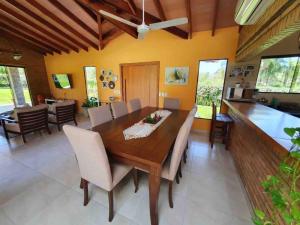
120,19
141,36
168,23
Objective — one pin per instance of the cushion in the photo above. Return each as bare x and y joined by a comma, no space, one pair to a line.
12,127
118,172
52,118
27,109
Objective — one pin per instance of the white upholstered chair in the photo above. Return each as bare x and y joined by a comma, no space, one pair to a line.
99,115
172,164
191,115
93,163
135,104
119,109
171,103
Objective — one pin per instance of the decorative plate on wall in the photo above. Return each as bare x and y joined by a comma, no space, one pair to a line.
101,77
111,84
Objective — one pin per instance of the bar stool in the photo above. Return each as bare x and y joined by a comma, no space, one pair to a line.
220,127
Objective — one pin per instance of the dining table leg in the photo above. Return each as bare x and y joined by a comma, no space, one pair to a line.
154,186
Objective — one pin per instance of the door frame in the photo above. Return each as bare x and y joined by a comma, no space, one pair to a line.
122,88
221,106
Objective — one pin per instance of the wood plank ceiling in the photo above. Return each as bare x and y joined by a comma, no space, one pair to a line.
56,26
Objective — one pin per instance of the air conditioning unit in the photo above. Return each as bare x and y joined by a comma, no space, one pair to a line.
247,12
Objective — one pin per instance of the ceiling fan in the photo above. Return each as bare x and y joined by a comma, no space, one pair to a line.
143,28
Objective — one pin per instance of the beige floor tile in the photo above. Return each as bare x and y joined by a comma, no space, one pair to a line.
39,185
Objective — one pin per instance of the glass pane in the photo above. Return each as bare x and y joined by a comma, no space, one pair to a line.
6,95
210,86
296,79
19,86
13,88
91,82
276,74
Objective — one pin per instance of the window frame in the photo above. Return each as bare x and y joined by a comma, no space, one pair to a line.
276,57
86,90
195,100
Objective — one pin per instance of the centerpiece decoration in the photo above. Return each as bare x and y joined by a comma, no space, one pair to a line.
153,118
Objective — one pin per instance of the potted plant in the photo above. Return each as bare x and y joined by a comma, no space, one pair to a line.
283,187
89,103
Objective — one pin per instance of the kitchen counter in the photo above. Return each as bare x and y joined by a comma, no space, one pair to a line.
266,121
258,143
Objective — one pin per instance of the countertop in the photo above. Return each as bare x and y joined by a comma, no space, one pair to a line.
266,121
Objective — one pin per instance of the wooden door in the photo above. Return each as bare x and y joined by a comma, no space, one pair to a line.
140,80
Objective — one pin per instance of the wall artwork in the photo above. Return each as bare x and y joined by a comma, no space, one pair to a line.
108,78
176,75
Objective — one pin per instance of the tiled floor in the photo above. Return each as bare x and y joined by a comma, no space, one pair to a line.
39,185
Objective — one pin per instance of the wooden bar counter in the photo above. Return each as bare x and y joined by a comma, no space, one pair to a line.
258,143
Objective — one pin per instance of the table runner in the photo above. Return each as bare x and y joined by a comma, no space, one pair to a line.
141,129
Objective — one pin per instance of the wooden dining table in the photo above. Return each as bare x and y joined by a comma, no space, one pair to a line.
148,153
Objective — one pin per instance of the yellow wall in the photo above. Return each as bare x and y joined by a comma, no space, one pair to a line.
157,46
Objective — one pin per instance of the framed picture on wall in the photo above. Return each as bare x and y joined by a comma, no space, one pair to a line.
176,75
236,71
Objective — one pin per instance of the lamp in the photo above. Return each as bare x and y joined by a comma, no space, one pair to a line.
17,56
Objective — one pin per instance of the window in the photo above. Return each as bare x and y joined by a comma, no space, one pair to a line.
13,88
210,86
279,74
91,82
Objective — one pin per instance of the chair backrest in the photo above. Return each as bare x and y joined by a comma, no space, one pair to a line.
54,106
32,119
91,156
214,111
179,147
99,115
65,113
135,104
119,109
171,103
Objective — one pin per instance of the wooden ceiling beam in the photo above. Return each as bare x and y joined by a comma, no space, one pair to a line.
40,28
26,37
150,19
27,44
87,10
73,17
160,9
99,21
110,35
124,6
215,17
189,16
33,34
132,6
96,6
55,18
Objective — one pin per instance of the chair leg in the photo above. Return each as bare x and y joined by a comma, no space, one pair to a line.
6,134
111,205
86,192
48,130
81,183
177,178
135,180
75,122
23,137
179,170
170,194
58,127
227,136
184,156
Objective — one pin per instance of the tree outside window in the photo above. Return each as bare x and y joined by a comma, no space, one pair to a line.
280,74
